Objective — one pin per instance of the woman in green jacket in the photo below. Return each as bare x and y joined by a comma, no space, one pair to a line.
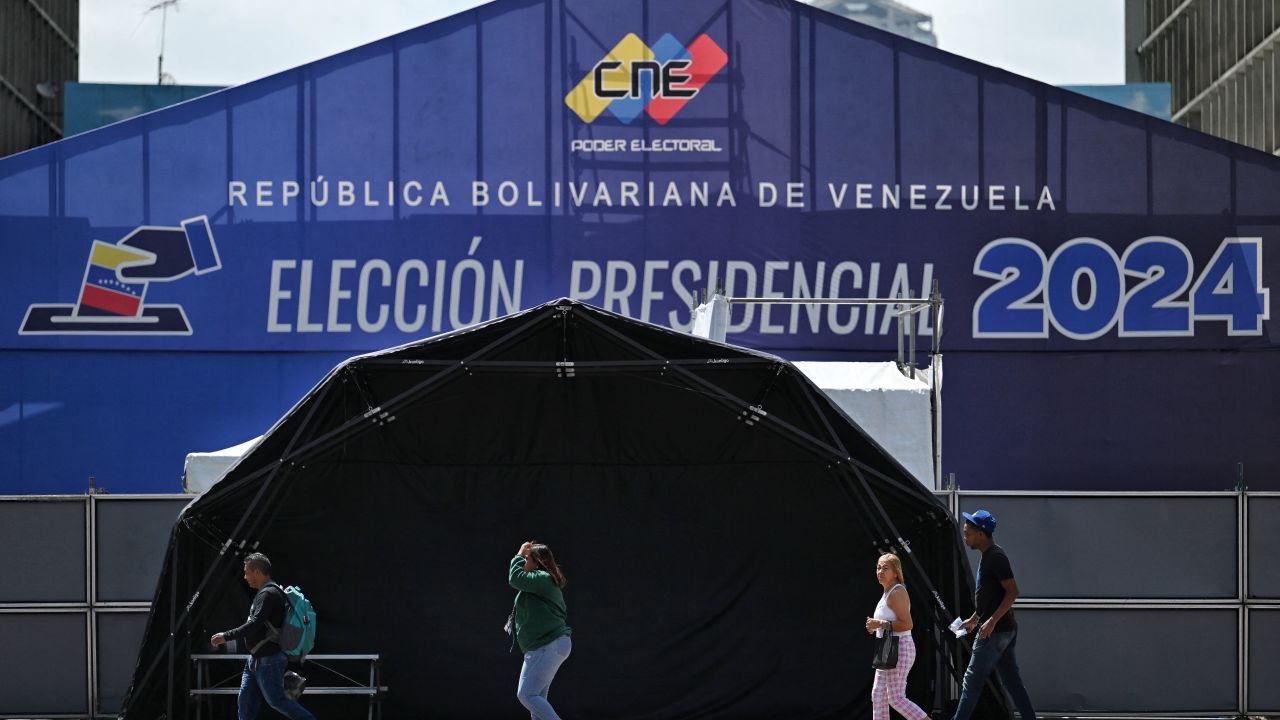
540,627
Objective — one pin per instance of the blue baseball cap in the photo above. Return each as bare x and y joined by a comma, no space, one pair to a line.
983,520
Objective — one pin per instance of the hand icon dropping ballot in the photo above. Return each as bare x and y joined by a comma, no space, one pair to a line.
176,252
116,278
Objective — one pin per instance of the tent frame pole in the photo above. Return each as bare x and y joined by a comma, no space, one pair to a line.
172,644
589,364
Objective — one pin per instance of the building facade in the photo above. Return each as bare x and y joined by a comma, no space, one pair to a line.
886,15
1218,56
92,105
176,281
39,51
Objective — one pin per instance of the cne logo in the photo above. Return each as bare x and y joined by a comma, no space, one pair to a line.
635,78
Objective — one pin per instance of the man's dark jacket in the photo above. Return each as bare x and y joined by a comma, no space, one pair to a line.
268,607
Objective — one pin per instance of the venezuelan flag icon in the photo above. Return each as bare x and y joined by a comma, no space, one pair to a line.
103,292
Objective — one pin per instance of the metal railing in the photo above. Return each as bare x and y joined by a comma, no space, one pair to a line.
1249,694
90,607
1242,603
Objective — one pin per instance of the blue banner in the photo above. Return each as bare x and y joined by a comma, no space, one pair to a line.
631,154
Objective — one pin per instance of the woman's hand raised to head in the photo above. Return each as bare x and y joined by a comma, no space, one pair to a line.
525,549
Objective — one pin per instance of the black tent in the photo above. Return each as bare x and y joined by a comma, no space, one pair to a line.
718,519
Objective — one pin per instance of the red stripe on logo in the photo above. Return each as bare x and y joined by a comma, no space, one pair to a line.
707,58
110,301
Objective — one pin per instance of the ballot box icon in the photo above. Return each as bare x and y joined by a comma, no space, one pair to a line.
113,292
103,293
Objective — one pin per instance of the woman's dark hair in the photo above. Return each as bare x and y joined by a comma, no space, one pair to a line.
546,560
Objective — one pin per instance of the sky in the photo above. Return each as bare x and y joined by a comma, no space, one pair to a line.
227,42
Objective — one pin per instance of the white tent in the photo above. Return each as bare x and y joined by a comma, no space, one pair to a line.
203,469
895,410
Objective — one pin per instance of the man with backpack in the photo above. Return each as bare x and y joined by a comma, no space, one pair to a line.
263,676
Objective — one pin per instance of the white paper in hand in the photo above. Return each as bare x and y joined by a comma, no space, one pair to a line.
957,627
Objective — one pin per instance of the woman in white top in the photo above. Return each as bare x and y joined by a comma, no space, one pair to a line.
893,614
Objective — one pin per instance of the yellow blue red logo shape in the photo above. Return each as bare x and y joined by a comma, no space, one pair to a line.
634,78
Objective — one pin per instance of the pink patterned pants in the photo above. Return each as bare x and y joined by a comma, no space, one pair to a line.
890,687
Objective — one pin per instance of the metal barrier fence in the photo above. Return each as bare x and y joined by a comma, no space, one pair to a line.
1134,604
80,572
1140,604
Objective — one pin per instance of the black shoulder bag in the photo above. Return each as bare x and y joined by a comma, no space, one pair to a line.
886,655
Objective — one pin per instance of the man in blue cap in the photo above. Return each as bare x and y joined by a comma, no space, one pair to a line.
998,632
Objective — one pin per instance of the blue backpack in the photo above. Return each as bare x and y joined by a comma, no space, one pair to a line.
298,635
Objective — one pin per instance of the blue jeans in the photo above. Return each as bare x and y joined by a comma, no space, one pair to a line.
539,670
264,678
994,653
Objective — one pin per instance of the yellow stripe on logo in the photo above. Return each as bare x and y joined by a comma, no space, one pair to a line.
113,256
583,100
